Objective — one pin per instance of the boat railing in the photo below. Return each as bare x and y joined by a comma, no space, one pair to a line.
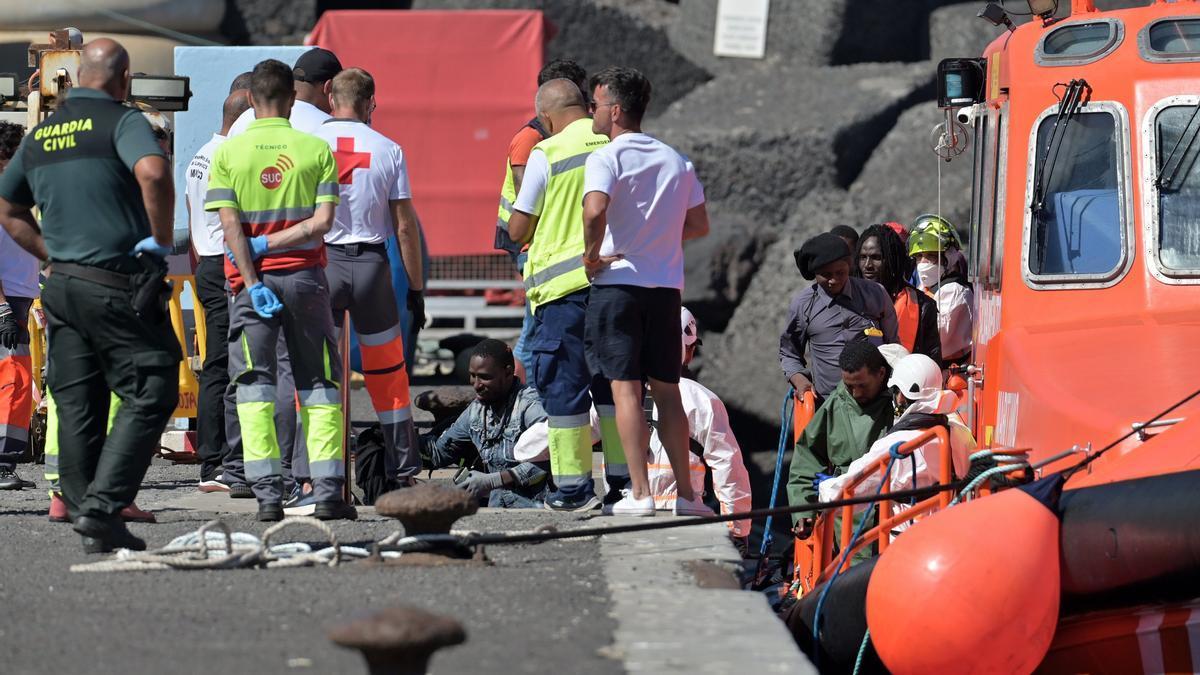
814,555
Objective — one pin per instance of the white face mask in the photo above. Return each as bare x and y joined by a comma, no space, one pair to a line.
927,273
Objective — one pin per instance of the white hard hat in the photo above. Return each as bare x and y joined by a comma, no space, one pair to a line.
917,377
687,324
688,332
892,353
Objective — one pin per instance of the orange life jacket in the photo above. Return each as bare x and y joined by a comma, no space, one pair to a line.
908,315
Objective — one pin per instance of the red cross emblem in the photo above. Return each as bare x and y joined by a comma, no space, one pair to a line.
348,160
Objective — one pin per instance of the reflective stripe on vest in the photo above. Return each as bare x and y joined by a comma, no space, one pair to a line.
908,315
555,265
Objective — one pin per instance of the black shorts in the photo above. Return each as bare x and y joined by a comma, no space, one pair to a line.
633,333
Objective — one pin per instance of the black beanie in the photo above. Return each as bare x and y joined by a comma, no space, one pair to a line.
819,252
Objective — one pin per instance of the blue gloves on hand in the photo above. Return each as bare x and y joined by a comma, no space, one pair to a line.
258,248
817,479
264,300
148,245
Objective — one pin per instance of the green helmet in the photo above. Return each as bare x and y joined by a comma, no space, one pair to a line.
925,241
939,226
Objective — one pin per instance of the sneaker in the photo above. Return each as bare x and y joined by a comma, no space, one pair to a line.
693,507
270,513
300,504
132,514
242,491
213,485
9,480
628,505
558,502
58,509
337,510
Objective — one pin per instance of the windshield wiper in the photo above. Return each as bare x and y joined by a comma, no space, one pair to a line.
1174,159
1070,103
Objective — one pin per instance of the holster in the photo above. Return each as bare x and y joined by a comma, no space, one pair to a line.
151,292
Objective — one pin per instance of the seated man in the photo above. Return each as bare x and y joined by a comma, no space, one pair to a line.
917,383
712,443
853,416
504,409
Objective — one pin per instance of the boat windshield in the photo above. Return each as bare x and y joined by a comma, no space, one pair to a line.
1176,130
1076,222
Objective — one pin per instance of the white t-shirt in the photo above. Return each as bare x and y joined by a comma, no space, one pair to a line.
533,185
650,187
207,237
305,117
18,269
371,171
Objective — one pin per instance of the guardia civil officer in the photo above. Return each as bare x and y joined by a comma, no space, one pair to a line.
104,189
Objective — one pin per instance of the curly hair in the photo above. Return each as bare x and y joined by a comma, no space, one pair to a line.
896,264
10,137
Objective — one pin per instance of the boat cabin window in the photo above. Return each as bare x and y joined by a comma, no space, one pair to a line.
1079,231
1174,39
1178,181
1079,43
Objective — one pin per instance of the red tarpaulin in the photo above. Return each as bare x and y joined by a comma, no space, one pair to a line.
452,89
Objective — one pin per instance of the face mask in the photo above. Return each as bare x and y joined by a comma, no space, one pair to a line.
927,273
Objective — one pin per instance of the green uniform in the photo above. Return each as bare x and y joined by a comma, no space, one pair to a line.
77,168
275,176
840,432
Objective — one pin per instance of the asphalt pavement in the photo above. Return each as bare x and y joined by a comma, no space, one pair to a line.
566,606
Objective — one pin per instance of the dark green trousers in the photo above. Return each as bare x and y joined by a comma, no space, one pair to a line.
97,344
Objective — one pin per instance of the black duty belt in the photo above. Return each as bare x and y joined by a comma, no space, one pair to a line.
96,275
358,248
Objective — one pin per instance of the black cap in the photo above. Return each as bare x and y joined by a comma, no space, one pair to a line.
819,252
316,65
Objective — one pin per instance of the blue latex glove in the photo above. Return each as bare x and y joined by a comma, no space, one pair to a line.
148,245
818,478
264,300
258,248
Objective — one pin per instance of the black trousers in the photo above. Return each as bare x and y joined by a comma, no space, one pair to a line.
97,345
214,376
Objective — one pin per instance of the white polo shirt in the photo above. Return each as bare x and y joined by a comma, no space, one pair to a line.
650,187
371,172
305,117
205,226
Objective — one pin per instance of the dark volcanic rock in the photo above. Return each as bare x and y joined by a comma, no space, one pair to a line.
799,32
763,140
900,181
599,35
268,22
428,508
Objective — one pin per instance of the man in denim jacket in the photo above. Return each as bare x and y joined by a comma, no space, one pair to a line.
503,409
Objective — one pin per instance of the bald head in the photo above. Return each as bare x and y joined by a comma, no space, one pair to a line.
236,103
556,96
104,65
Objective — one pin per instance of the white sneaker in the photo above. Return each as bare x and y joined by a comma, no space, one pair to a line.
214,485
693,507
629,505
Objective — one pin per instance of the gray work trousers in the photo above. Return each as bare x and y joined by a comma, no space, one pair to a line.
293,457
360,280
306,324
